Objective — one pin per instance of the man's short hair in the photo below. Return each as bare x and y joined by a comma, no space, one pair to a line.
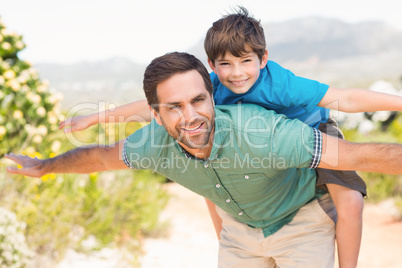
164,67
233,33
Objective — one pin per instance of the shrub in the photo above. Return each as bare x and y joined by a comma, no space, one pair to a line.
381,186
28,111
61,211
14,252
117,208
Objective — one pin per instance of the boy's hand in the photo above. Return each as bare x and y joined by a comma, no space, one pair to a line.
30,166
75,123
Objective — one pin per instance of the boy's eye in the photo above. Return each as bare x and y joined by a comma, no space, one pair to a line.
247,60
223,63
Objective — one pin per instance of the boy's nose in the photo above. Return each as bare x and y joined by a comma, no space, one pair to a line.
237,70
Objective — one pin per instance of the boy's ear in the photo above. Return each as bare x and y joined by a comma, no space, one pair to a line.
212,65
156,116
264,59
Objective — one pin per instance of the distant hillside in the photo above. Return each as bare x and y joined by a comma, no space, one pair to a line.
116,80
328,50
333,51
330,39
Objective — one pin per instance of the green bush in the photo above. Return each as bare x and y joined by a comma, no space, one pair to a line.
381,186
62,211
28,111
14,252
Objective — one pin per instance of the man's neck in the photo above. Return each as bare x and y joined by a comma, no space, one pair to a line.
200,153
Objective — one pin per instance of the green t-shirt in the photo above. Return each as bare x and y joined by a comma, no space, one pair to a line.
260,169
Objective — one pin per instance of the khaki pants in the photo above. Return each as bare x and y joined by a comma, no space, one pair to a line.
307,241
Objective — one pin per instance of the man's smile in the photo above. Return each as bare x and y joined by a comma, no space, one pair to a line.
193,129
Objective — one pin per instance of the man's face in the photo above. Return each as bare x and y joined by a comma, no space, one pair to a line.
239,74
186,110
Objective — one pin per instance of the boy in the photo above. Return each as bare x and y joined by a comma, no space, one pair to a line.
237,54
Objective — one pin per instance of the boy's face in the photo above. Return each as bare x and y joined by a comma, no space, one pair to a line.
239,74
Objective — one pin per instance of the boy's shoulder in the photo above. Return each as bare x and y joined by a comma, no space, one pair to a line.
275,68
235,110
246,114
214,79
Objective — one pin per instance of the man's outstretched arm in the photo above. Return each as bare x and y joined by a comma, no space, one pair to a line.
78,160
371,157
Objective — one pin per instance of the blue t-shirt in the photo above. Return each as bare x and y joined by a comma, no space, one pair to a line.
280,90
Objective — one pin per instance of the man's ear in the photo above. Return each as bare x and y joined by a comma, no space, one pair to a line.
212,65
264,59
156,116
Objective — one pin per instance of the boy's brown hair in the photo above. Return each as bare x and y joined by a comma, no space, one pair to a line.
233,33
164,67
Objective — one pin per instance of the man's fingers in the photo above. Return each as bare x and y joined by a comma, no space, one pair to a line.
16,158
22,160
29,165
13,170
23,171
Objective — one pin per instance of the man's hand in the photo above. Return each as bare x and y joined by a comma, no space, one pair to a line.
81,160
30,166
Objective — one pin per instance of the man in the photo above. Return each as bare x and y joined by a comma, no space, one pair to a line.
255,165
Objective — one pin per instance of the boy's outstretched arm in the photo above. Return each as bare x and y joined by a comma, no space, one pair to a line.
137,111
78,160
360,100
340,154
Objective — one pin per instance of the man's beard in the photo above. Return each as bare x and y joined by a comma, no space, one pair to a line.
198,141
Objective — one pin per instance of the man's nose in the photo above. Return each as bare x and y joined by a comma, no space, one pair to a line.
189,113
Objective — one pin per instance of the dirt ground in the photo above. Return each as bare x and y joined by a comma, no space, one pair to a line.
191,241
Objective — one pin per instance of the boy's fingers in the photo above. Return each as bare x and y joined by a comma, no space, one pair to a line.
68,130
62,124
65,123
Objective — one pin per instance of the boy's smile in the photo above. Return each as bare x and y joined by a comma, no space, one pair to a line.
239,74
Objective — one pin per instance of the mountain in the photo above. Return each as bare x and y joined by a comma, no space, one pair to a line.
114,80
329,50
332,51
330,39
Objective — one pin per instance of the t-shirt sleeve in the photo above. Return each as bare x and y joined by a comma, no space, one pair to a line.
126,155
145,147
136,148
291,90
317,149
297,144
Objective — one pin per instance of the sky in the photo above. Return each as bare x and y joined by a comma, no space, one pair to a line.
90,30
